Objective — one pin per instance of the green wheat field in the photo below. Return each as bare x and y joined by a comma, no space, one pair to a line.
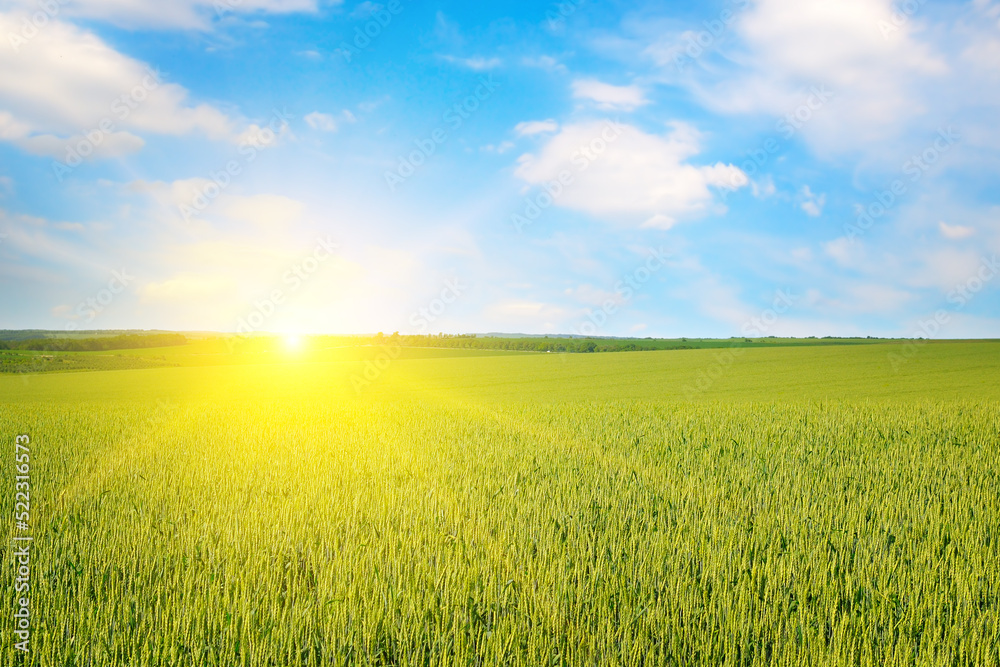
806,505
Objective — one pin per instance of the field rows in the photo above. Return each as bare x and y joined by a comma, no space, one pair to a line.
231,532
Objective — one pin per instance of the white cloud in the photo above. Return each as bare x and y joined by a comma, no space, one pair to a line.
28,237
847,253
365,9
802,254
372,105
544,62
659,221
66,86
594,296
606,96
64,312
812,203
880,83
267,212
955,232
267,136
477,63
499,149
190,14
115,144
764,187
170,194
625,175
321,121
530,127
943,268
711,294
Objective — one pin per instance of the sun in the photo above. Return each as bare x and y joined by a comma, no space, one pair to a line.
293,342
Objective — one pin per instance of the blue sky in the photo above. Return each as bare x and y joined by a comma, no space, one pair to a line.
779,167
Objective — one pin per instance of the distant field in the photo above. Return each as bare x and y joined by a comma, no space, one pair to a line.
824,505
42,351
938,370
206,352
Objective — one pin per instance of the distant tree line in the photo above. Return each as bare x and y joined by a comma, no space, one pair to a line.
566,344
124,342
527,344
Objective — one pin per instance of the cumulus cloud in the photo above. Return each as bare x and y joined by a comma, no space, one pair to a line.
881,81
609,97
530,127
622,174
66,86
